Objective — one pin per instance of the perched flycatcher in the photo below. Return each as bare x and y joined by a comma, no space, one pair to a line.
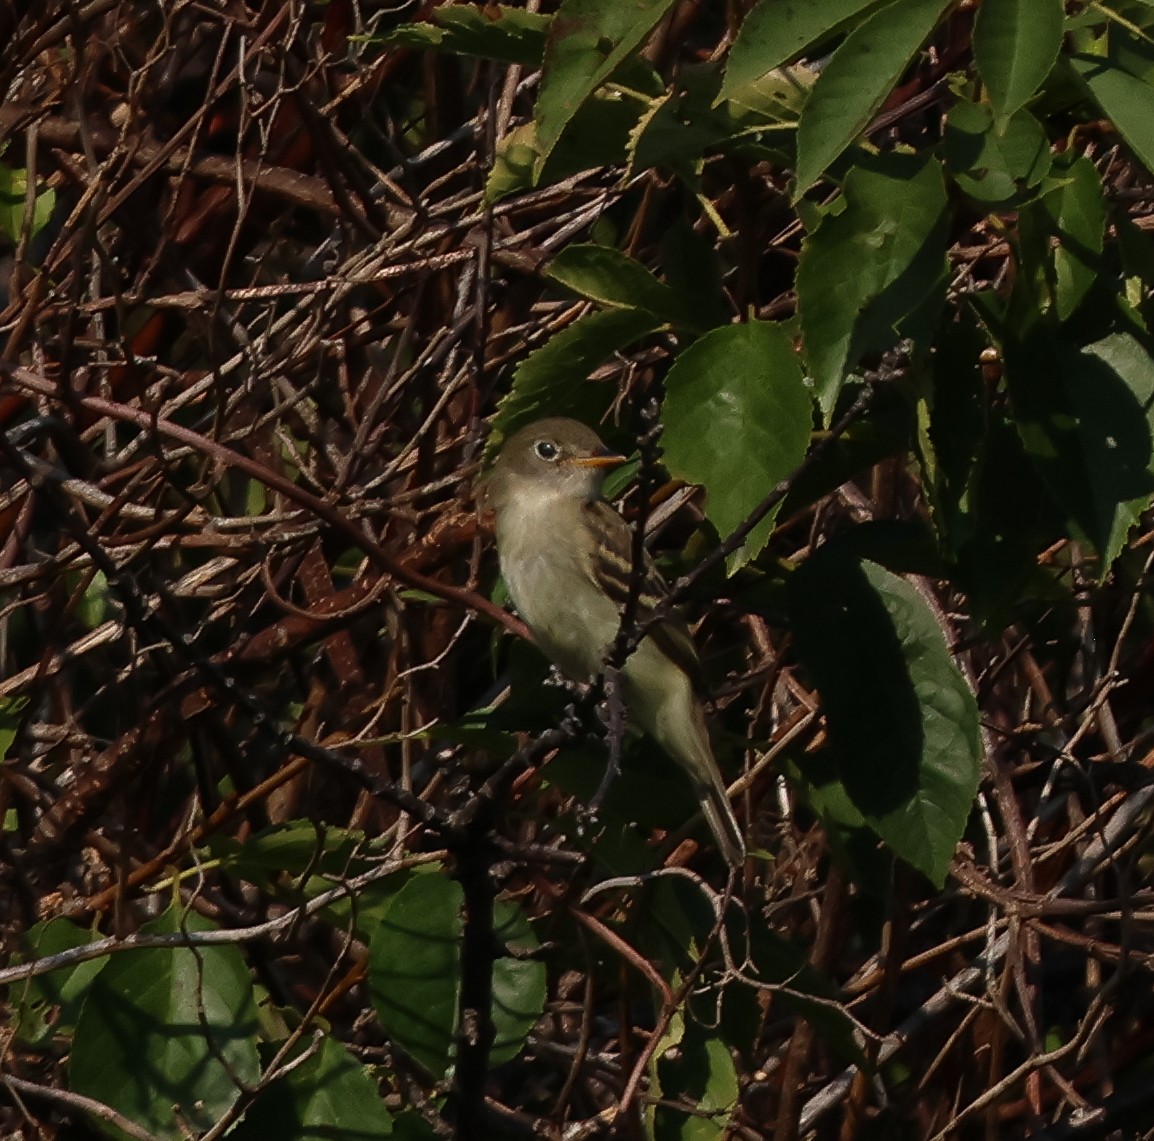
567,559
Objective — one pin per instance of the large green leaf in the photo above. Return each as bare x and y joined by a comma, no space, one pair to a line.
737,421
168,1036
855,82
325,1097
778,31
415,973
588,40
415,969
869,267
903,724
1127,101
1086,416
1015,44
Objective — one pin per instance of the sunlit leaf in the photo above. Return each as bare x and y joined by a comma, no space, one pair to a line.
1015,45
855,82
588,40
1125,99
698,1069
995,164
512,35
13,203
610,277
869,267
9,721
1077,209
518,982
778,31
50,1004
415,973
737,421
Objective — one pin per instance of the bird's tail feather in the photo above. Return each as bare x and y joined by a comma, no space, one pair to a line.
718,813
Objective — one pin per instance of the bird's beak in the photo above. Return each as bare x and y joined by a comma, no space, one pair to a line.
598,461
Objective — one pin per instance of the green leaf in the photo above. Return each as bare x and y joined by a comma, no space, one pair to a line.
995,166
415,969
1132,49
415,973
778,31
903,724
13,195
869,267
854,84
1086,416
553,380
852,840
1125,99
328,1096
698,1069
675,131
610,277
9,722
518,983
50,1004
1016,43
588,40
168,1036
292,847
741,384
1077,212
508,34
598,135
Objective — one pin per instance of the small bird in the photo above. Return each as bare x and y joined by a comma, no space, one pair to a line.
566,556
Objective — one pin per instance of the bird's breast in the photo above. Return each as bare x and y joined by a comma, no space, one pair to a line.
546,565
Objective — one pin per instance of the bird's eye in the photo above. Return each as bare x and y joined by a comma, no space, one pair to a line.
546,449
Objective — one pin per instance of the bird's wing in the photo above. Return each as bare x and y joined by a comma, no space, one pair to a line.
612,564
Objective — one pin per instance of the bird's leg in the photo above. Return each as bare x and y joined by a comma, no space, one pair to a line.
615,725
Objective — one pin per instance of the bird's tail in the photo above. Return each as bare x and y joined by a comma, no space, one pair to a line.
669,710
691,748
718,813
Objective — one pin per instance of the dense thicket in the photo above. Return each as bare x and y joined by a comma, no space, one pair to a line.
294,832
